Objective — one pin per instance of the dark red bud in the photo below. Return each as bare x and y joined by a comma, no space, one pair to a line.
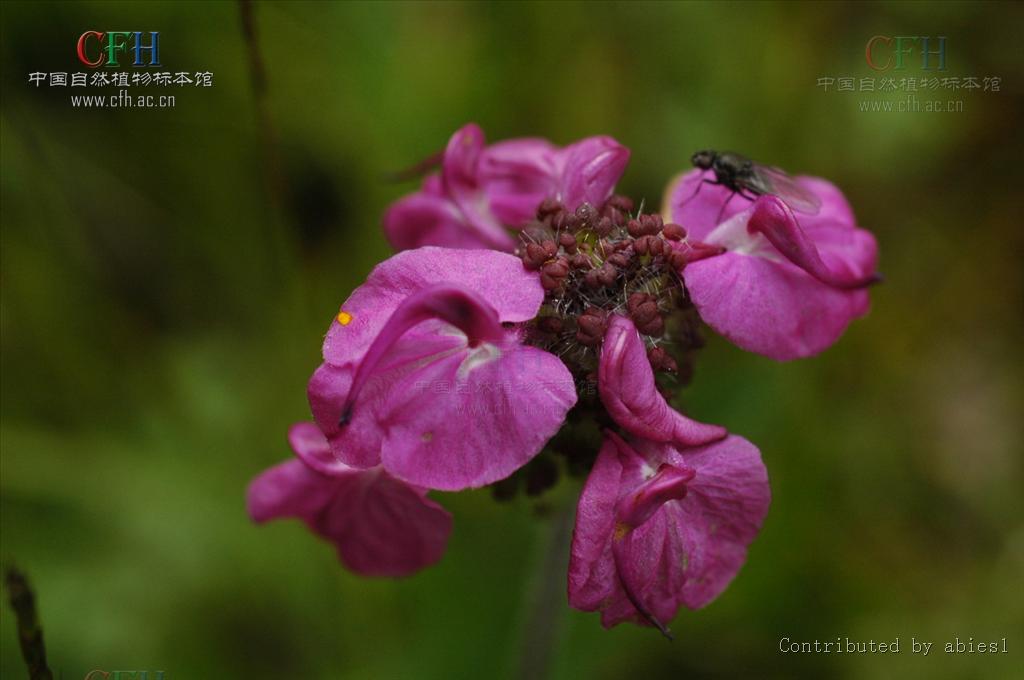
549,206
661,360
642,245
607,274
650,224
645,313
655,327
567,241
534,256
535,251
673,232
550,282
635,228
603,227
591,326
586,214
649,244
619,259
677,259
550,324
557,268
636,299
623,203
618,217
614,215
580,261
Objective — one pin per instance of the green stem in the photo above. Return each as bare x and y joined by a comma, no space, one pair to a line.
546,612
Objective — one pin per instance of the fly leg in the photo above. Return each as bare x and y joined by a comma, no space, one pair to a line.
718,220
744,193
702,183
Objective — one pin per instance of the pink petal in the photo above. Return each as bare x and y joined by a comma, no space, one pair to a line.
422,219
358,443
835,209
773,218
311,446
517,175
590,169
592,574
483,191
698,212
668,483
327,391
384,527
439,408
461,308
723,512
789,285
687,551
460,174
289,489
769,307
468,420
515,293
628,391
461,160
379,525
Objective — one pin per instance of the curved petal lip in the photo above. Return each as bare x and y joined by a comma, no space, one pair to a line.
629,393
498,277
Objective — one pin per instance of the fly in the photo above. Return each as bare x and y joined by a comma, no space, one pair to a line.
749,179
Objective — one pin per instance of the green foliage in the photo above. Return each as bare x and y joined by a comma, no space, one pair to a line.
164,301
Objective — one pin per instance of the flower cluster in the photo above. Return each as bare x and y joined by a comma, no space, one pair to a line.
534,315
480,189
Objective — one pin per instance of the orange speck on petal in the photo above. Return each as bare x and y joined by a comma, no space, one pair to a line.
344,318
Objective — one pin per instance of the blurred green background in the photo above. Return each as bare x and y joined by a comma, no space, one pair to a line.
167,275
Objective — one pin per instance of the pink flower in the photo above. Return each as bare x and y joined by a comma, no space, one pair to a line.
379,525
484,191
425,371
628,392
452,368
782,288
663,521
659,526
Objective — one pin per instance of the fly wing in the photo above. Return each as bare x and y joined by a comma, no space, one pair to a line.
770,180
